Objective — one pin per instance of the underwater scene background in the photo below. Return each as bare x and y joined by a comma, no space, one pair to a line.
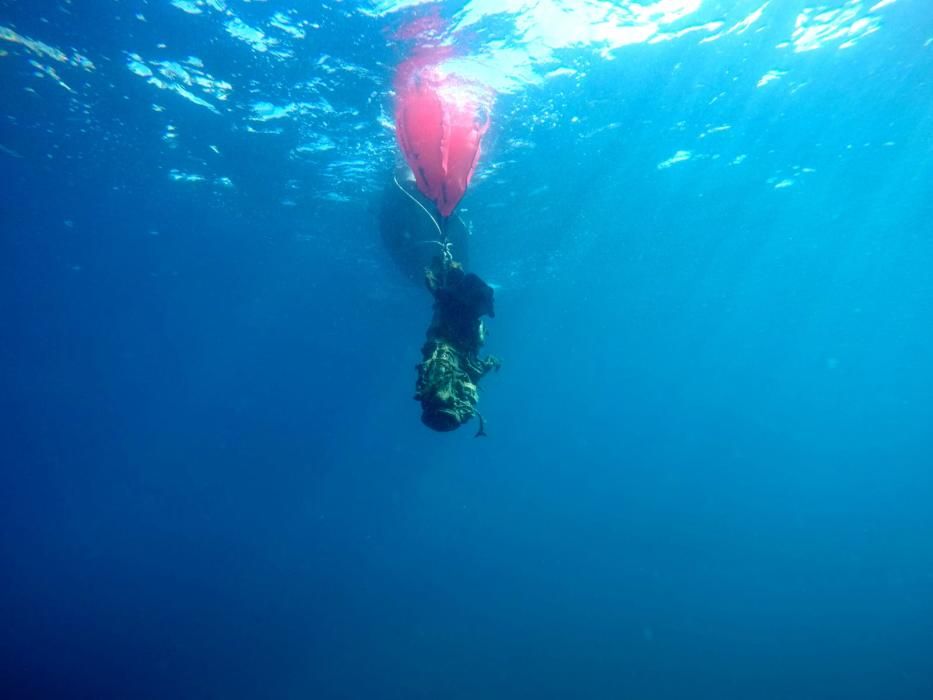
708,464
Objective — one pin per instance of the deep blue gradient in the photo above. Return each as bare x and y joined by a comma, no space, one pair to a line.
709,470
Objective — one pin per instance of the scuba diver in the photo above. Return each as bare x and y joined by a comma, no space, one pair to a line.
409,234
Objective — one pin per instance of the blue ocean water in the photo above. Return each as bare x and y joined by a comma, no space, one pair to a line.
708,468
